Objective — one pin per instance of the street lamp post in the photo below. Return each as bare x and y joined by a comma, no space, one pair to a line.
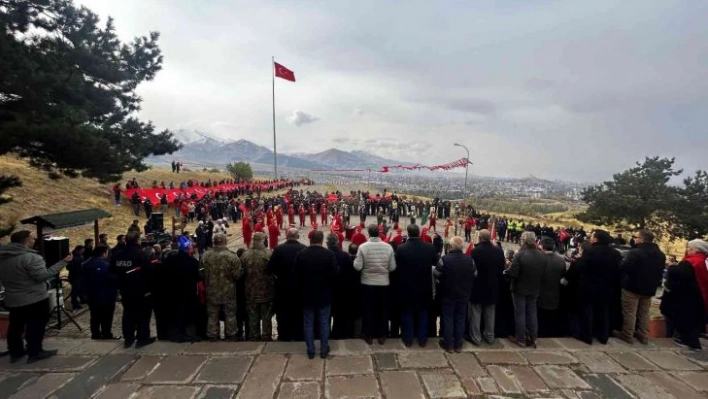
466,168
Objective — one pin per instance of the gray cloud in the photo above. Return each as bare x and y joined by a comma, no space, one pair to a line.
584,89
299,118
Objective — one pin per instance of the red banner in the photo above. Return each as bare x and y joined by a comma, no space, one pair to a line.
452,165
155,194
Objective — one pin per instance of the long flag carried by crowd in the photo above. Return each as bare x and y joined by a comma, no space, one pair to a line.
462,162
172,193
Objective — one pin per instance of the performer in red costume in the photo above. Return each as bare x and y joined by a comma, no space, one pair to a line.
323,214
247,232
340,237
279,217
313,216
269,216
291,215
398,238
273,233
312,232
258,228
358,238
425,237
301,214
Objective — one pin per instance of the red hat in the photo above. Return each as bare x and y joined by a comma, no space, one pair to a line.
425,229
399,230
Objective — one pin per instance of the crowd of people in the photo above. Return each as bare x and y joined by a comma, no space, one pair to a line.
382,285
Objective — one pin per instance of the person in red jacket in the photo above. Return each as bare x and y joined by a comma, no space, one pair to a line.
312,232
269,216
696,255
273,234
323,214
258,228
340,236
291,215
448,224
338,219
358,238
247,232
279,217
425,237
382,233
397,239
301,214
313,216
433,219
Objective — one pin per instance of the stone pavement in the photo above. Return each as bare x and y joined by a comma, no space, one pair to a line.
559,368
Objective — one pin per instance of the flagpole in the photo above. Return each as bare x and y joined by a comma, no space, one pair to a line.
275,150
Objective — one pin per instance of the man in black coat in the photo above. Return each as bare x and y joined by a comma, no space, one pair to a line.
549,298
457,272
489,260
135,274
101,291
345,302
286,304
315,271
526,273
641,274
179,275
414,285
597,271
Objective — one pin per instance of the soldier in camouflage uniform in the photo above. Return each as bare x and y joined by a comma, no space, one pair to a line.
222,269
259,289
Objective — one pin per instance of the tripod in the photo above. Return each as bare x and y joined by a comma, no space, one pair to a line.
59,307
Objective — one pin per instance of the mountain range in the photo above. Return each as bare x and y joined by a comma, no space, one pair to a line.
205,149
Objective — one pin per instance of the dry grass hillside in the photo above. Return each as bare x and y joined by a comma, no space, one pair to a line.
40,195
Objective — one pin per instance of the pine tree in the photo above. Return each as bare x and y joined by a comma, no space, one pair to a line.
68,98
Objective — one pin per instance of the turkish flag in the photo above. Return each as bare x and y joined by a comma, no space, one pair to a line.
283,72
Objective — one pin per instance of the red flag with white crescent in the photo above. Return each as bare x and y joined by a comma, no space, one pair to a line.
283,72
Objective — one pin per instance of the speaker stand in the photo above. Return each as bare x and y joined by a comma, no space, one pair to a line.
60,308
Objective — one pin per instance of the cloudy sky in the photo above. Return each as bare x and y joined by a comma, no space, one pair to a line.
561,89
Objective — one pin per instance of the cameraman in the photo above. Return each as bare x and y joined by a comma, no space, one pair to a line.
24,275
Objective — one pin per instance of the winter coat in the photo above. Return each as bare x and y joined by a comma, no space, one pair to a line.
489,261
682,301
549,299
413,278
316,273
347,292
597,273
375,259
24,274
457,274
642,269
700,268
526,271
101,286
135,272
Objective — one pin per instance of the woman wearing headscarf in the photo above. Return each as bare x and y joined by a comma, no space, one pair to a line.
683,303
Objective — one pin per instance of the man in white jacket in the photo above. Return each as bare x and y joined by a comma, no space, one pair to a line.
375,259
